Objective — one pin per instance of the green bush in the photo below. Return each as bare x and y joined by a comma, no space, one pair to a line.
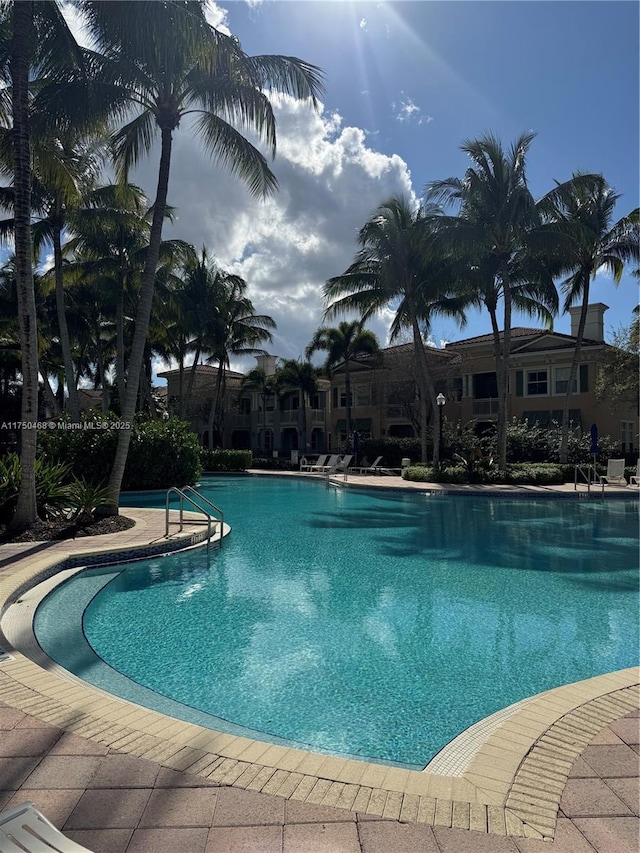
418,474
540,474
161,454
52,489
273,464
225,460
536,474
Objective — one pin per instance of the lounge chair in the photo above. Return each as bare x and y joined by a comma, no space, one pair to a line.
327,466
615,474
24,828
320,461
341,466
367,469
635,478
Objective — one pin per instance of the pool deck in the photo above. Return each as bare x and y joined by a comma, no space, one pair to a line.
117,777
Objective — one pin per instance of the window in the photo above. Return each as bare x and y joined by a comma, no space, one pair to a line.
536,382
245,406
626,436
362,393
562,381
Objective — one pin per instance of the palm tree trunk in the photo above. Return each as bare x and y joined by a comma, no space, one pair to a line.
143,316
214,402
26,512
63,328
503,377
120,373
304,421
573,372
192,376
49,396
427,391
347,391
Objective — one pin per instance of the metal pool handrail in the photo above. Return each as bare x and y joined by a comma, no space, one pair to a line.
182,497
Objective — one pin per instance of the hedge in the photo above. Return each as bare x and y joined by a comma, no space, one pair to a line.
225,460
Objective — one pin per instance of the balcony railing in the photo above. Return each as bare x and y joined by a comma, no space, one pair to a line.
318,416
485,408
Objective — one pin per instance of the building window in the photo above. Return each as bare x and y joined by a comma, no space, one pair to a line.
626,436
245,406
562,381
536,382
362,394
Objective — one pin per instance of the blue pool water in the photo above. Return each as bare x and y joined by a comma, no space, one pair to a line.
377,625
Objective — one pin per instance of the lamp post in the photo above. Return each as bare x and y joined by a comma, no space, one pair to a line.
440,400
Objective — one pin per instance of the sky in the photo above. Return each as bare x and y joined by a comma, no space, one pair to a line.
406,84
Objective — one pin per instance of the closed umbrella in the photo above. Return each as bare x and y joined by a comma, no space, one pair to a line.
594,450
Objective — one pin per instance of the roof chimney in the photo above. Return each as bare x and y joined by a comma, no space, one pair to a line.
594,325
267,363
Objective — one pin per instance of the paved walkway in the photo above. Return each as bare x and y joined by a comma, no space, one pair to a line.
116,803
112,800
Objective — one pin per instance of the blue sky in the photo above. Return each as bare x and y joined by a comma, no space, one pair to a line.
406,83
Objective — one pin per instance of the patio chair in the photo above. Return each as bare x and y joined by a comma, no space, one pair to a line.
615,473
327,466
635,478
320,461
24,828
341,466
367,469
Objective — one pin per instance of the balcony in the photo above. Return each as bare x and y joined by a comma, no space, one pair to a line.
318,416
487,408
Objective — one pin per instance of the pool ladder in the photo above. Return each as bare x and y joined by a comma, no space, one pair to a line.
184,494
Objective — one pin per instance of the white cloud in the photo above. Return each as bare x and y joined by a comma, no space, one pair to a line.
217,17
330,182
363,23
408,111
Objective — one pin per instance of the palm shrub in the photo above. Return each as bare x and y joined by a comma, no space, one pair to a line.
51,486
85,499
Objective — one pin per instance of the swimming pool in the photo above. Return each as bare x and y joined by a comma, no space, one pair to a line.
377,625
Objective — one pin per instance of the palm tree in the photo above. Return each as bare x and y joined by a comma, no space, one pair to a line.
343,345
39,39
495,227
257,380
400,263
164,62
302,377
240,332
581,210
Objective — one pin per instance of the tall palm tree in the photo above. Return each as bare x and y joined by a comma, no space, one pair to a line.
266,386
164,62
581,210
302,377
39,40
343,345
496,221
401,264
240,332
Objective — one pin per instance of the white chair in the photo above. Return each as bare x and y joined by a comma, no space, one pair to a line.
615,473
341,466
368,469
320,461
635,478
23,829
328,465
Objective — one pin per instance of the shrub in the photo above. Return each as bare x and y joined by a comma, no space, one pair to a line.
52,490
274,464
418,474
161,454
84,499
225,460
536,474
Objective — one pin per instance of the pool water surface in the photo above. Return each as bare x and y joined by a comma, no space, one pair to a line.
375,625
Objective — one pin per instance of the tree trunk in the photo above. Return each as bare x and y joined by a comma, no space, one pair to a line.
192,376
141,329
63,328
120,371
503,378
304,421
347,391
26,512
49,396
573,373
214,402
427,391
